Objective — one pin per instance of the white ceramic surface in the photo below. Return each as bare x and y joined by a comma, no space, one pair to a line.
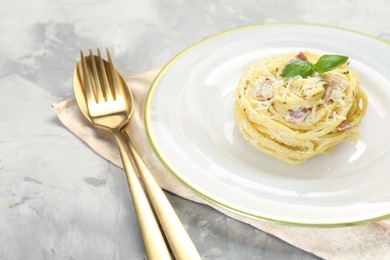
191,124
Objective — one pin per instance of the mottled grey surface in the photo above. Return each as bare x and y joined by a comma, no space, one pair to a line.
58,199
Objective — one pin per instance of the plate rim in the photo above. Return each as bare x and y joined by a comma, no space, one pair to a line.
206,195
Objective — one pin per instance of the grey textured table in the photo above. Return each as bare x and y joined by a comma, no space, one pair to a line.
58,199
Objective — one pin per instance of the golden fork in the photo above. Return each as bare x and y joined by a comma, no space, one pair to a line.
106,101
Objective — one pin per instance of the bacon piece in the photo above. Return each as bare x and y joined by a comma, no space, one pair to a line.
264,90
297,116
343,126
334,82
334,88
299,56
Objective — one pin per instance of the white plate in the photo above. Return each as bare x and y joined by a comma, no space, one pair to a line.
190,123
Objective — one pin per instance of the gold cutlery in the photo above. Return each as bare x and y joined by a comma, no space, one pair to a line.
105,100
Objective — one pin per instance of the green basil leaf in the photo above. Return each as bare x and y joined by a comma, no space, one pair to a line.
298,68
329,62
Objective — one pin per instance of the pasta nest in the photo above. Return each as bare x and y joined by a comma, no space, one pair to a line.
294,119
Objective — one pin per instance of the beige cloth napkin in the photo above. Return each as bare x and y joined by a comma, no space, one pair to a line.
369,241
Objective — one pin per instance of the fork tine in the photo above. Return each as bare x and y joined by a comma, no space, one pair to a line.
106,86
88,91
98,87
115,82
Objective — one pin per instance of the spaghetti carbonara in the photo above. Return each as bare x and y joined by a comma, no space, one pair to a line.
296,118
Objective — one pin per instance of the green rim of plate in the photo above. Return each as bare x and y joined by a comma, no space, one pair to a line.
204,194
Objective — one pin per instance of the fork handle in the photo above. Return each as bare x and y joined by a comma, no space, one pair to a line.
178,238
154,242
